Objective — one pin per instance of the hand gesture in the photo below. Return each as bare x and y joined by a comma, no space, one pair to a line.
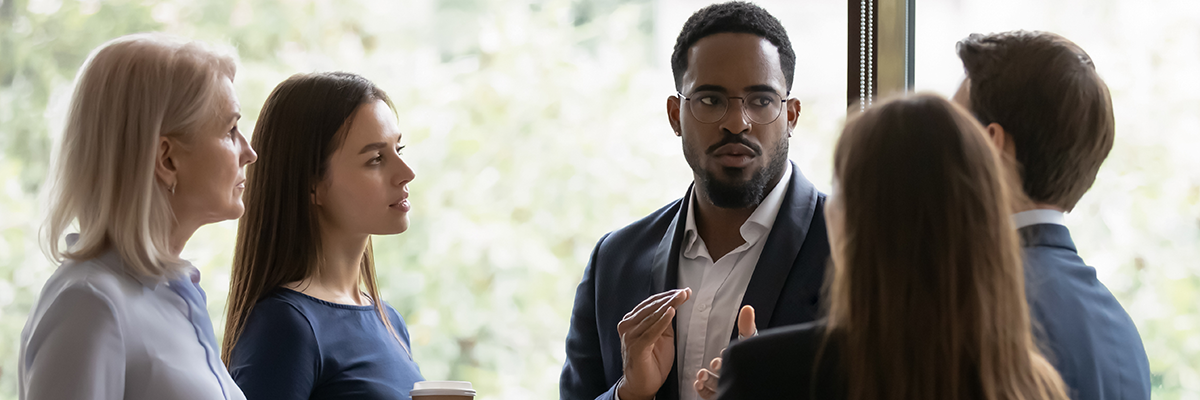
648,344
706,379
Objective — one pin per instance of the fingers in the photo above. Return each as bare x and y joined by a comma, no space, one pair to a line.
715,365
649,310
701,389
746,327
659,327
682,297
705,384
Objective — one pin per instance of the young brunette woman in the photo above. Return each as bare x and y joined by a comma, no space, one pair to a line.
305,318
926,297
151,152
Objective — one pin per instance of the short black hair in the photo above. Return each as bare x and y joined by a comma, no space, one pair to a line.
732,17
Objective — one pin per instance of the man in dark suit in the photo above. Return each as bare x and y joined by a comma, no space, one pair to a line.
1045,107
749,231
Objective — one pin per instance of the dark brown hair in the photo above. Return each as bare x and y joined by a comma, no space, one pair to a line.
926,295
1044,90
304,120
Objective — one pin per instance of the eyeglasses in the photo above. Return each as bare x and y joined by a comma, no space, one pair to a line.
709,106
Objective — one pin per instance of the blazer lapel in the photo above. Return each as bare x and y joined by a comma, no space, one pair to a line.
780,250
664,275
664,266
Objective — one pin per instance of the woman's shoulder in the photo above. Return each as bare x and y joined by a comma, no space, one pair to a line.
391,312
102,276
791,362
779,349
278,318
282,306
800,337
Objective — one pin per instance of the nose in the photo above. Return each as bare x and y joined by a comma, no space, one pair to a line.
404,173
735,120
249,156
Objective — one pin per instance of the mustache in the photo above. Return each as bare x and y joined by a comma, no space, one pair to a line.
730,138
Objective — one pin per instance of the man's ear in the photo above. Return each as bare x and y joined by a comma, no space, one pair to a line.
673,103
793,114
164,165
1000,138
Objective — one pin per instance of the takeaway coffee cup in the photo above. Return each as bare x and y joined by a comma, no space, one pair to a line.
442,390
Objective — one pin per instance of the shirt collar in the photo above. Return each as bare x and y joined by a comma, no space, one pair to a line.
112,259
756,227
1039,216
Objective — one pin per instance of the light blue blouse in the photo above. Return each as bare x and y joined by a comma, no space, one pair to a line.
98,332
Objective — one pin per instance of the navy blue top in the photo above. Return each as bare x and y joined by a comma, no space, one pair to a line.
295,346
1091,339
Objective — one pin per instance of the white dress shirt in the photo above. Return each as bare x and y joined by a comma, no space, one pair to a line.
98,332
1039,216
705,322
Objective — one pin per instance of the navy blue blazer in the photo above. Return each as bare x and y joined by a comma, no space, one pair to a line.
632,263
1085,332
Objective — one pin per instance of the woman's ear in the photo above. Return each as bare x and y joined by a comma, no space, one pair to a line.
164,165
317,194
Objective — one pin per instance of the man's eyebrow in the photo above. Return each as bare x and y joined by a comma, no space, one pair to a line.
372,146
710,88
762,88
721,89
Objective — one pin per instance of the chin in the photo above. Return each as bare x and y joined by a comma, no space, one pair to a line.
395,228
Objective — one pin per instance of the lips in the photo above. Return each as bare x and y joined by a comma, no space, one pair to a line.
401,205
734,155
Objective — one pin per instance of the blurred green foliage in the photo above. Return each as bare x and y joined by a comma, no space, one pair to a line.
534,127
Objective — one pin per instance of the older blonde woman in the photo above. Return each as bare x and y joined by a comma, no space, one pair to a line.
150,153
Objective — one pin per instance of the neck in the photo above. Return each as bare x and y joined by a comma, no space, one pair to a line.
338,275
1022,205
720,228
180,234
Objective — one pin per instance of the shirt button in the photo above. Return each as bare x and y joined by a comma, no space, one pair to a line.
703,307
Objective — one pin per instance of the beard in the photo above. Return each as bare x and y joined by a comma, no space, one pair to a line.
742,193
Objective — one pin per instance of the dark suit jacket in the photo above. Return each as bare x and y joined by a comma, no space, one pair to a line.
1088,337
632,263
787,363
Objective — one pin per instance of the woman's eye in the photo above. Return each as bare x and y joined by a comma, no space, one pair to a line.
378,159
400,150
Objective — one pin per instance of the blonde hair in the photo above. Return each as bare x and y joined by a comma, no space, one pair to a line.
130,92
927,295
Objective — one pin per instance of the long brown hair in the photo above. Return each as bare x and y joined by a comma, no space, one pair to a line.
304,120
927,295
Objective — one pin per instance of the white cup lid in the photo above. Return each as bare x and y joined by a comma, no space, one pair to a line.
442,388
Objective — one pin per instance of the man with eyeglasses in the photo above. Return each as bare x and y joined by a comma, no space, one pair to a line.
746,244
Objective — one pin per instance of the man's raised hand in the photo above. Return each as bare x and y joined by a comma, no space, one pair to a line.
648,344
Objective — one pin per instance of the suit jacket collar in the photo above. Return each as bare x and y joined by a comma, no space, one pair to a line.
783,245
1047,235
779,253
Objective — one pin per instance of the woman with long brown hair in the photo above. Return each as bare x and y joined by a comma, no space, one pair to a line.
305,317
926,295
